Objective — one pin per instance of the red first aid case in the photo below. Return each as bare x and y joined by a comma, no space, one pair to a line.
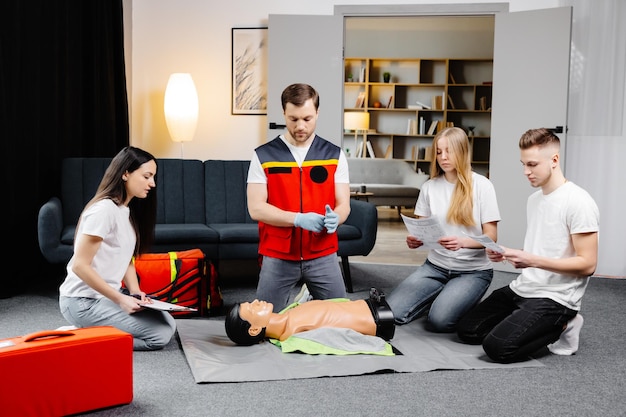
64,372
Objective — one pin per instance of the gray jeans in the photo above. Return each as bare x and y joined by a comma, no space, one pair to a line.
278,277
151,329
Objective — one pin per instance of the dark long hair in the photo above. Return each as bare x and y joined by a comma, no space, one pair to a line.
237,329
142,210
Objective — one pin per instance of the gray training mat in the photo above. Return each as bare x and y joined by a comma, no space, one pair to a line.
212,357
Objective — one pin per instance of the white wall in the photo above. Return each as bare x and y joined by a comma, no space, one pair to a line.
195,36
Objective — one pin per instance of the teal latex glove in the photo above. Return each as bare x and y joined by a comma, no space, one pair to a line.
309,221
331,220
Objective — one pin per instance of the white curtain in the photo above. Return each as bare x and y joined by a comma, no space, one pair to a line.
596,140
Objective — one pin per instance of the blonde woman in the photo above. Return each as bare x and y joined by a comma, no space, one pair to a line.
454,278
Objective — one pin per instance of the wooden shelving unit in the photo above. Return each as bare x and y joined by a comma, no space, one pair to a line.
420,92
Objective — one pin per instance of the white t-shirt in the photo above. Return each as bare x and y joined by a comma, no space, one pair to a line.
434,200
551,220
112,223
256,175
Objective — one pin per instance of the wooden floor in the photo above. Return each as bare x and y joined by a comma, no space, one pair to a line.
390,247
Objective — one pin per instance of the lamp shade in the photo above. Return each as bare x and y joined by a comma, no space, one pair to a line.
356,121
181,107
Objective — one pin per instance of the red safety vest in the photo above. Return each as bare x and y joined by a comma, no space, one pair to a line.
300,189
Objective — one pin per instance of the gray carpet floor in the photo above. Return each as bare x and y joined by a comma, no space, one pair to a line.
590,383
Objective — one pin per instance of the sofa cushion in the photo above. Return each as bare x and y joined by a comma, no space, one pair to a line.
180,191
184,232
237,232
225,192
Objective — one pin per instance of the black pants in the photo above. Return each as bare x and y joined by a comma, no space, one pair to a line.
510,327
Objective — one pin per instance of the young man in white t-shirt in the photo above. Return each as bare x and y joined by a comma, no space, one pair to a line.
541,306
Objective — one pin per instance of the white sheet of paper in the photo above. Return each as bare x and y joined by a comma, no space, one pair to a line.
164,306
487,242
428,230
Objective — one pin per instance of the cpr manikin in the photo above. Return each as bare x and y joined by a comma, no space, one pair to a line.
251,322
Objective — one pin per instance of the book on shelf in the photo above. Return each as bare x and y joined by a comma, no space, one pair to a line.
411,127
390,103
432,127
360,100
450,102
360,151
422,127
452,80
420,105
437,103
370,149
483,103
428,153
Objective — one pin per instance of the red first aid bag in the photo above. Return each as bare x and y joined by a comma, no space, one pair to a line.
185,278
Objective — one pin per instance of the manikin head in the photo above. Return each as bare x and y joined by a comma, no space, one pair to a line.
245,323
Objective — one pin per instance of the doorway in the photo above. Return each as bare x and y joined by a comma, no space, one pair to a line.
419,52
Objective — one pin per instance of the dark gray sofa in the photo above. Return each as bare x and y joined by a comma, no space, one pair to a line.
200,205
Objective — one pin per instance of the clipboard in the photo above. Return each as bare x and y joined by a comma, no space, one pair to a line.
164,306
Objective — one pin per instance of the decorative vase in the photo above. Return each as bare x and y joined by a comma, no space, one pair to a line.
386,77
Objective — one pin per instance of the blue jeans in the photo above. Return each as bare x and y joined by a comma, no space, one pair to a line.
278,277
151,329
511,328
445,294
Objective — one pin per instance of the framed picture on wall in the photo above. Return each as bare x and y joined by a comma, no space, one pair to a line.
249,67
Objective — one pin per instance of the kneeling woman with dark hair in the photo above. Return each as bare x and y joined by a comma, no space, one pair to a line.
251,322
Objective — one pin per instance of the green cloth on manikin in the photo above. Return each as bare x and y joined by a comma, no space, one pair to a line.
334,341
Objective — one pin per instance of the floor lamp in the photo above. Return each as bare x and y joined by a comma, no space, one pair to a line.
357,121
181,108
